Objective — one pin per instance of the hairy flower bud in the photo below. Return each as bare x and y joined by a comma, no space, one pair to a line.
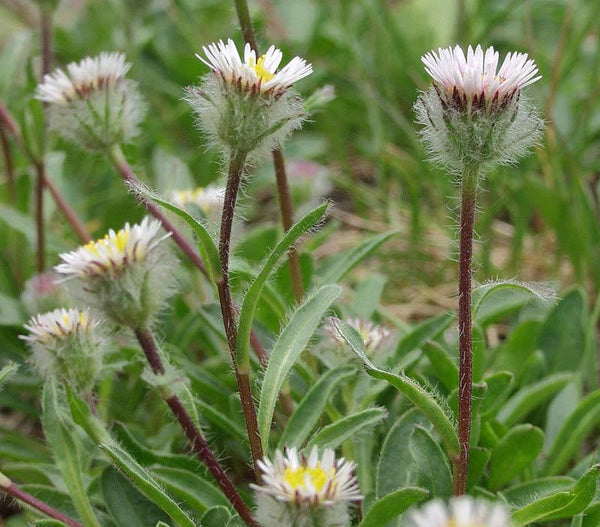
127,274
92,104
463,511
247,107
474,115
43,293
67,343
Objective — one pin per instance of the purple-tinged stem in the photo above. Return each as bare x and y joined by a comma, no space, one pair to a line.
465,326
12,490
195,437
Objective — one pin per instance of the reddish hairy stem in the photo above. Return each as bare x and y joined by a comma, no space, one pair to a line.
195,437
24,497
285,201
8,164
465,330
234,177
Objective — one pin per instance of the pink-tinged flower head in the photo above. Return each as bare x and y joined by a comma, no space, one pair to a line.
252,74
475,80
82,78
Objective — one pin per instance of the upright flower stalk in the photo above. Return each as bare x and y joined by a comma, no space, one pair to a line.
247,108
127,275
474,117
285,200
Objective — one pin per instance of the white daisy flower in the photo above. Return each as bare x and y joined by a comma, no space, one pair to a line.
475,78
82,78
293,478
463,511
252,74
113,253
207,199
59,324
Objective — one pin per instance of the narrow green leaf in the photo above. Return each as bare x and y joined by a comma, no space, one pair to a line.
525,493
142,479
424,400
496,299
576,428
423,332
194,490
499,386
291,342
307,414
530,397
560,505
215,517
206,245
478,459
444,368
253,294
348,261
333,435
58,430
396,468
127,505
7,371
515,451
434,467
393,505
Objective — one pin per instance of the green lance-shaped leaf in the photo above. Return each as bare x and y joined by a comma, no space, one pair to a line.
58,429
499,386
307,414
7,371
334,434
215,517
123,460
525,493
253,294
560,505
393,505
346,262
424,400
423,332
530,397
517,449
194,490
433,464
496,299
444,368
206,245
127,505
572,433
291,342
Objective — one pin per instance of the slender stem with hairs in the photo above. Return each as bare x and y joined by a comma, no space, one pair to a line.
465,326
194,435
234,177
128,175
283,190
7,486
10,125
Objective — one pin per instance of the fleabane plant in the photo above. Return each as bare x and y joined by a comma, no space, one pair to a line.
127,274
247,106
299,491
92,103
475,113
474,116
67,343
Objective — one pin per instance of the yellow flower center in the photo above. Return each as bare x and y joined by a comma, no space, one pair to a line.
263,73
119,242
296,478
